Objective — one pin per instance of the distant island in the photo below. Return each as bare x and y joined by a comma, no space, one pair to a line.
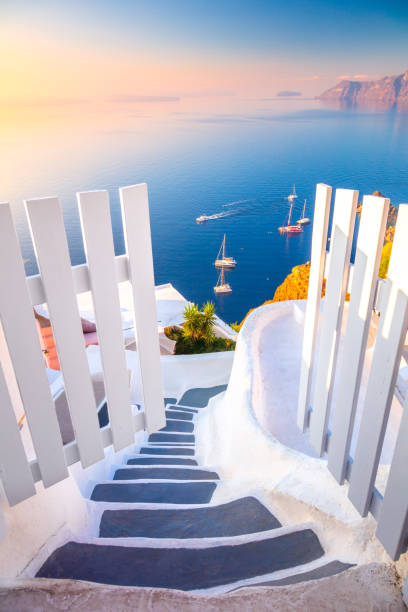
389,93
287,93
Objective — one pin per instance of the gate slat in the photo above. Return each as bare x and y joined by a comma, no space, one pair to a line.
384,368
98,240
367,261
50,243
340,249
136,222
317,264
23,344
393,519
15,472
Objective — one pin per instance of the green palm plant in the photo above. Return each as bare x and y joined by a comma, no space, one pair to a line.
208,322
192,322
198,325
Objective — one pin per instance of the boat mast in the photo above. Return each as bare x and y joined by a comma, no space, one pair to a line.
290,213
223,248
304,208
219,253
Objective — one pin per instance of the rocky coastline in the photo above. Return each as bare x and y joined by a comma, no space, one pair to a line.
388,93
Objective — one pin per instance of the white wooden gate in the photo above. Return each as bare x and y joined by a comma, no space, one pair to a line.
321,363
57,285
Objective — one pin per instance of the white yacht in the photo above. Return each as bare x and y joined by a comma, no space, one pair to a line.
222,260
222,286
303,220
202,219
293,195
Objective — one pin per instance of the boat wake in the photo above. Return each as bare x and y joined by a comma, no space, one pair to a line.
238,202
240,206
219,215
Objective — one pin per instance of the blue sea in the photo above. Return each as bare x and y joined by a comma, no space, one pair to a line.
239,163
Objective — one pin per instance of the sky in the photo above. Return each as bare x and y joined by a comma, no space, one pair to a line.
78,52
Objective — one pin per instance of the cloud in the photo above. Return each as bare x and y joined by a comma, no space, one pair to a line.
315,77
131,99
348,77
287,93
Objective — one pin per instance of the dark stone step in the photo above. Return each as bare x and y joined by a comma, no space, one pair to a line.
170,473
330,569
155,492
199,398
166,437
178,427
181,568
172,444
170,400
183,409
157,450
246,515
103,415
179,415
161,461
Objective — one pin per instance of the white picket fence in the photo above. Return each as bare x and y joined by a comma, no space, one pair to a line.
321,363
58,284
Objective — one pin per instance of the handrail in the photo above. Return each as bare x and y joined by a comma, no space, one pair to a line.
80,274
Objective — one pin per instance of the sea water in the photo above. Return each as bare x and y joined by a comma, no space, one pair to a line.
238,164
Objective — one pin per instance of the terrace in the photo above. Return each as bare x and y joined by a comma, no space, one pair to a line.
269,477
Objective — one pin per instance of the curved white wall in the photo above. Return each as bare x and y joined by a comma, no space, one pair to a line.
232,437
239,441
182,372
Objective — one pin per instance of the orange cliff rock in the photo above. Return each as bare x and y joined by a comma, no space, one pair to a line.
295,285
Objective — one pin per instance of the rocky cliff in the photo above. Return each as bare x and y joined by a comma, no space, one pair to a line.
387,93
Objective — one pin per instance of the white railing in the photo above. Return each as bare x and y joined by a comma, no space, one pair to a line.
57,285
322,364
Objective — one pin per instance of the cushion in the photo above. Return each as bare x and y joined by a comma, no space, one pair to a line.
87,326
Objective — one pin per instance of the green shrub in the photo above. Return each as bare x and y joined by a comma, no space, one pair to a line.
188,346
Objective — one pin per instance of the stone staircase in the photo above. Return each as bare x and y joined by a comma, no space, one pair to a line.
158,527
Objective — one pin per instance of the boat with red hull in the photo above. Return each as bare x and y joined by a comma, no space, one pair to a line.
287,228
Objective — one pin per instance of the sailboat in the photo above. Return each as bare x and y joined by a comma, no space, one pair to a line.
288,228
222,260
303,220
222,286
293,195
